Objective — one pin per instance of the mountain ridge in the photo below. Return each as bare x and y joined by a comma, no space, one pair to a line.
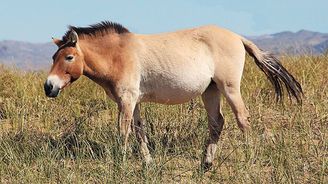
302,42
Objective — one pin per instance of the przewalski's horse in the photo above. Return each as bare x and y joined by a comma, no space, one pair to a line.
168,68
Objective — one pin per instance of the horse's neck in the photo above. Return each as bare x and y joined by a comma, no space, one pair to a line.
99,56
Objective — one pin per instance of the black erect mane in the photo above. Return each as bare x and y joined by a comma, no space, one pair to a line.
101,28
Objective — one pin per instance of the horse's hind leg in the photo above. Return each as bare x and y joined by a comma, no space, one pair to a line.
211,100
140,134
231,90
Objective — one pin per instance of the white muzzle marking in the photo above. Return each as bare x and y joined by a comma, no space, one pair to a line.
55,81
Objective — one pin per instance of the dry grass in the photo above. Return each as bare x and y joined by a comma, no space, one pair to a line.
72,139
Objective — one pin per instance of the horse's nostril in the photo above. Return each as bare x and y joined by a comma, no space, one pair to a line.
48,88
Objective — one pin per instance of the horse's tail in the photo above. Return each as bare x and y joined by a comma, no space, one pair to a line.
275,72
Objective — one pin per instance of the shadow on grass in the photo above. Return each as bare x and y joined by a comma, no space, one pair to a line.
33,144
74,146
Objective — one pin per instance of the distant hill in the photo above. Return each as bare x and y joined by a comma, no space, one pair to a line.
298,43
27,56
32,56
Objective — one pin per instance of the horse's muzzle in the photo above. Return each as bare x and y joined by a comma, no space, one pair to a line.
51,90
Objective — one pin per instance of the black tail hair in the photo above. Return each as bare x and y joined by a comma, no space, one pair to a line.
275,72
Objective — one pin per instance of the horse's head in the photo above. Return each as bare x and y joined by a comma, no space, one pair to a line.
67,64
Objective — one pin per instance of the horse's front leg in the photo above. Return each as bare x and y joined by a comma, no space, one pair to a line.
141,136
126,105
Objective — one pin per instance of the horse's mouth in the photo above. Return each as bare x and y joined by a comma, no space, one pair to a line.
53,89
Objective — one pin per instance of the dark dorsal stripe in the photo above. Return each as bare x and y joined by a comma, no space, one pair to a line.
101,28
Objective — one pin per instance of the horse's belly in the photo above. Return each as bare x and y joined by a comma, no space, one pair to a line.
174,74
175,88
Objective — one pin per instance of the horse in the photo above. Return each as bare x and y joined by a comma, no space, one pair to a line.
166,68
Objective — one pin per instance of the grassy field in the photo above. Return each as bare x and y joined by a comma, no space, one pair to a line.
72,139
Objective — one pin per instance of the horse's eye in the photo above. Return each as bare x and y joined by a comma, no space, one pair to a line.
69,58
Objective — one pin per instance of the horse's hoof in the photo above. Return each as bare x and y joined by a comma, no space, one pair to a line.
206,166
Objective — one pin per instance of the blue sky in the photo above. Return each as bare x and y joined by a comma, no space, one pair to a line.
39,20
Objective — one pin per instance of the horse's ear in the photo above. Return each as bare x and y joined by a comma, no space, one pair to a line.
57,41
73,38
